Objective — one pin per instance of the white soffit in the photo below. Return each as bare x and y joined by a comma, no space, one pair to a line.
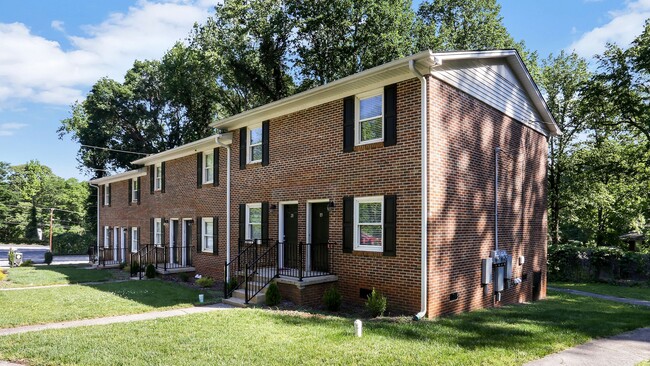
187,149
120,177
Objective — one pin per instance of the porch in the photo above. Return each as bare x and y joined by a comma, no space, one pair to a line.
167,259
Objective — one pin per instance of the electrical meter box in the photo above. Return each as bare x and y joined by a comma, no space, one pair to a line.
508,274
486,271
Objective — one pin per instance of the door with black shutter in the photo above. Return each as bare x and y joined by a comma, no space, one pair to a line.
320,236
290,229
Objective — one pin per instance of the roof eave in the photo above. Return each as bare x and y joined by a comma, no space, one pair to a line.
217,140
130,174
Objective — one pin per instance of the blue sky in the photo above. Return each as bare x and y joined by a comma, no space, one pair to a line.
51,52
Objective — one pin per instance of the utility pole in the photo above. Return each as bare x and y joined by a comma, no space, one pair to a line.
51,225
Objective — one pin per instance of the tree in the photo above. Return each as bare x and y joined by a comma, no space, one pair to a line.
562,79
8,201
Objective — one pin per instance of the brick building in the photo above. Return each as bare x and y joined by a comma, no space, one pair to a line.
338,186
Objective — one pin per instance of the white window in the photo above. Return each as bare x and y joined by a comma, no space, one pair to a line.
255,144
158,177
134,239
107,231
157,231
135,190
207,234
368,223
208,170
107,194
254,221
369,119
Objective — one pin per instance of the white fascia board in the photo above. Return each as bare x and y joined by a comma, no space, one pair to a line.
120,177
218,140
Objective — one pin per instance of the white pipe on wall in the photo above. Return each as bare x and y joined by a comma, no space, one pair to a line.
496,197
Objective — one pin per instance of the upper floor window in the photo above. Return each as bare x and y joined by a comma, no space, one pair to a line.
157,231
158,177
208,167
207,242
368,226
107,194
369,119
135,190
254,221
255,144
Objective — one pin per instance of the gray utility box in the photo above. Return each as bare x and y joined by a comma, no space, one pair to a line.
486,271
501,263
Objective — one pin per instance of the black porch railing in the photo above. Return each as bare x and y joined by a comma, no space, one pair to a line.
304,260
161,257
112,255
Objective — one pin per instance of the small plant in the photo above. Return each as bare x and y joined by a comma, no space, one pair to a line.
2,275
184,276
232,284
150,272
127,269
273,296
134,268
205,282
376,304
11,257
332,299
122,265
48,257
27,263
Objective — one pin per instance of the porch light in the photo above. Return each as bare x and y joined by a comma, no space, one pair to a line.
273,207
330,206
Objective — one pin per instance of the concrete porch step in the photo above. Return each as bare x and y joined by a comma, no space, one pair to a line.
233,301
259,299
175,270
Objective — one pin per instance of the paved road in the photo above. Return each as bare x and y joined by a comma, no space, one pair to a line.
36,253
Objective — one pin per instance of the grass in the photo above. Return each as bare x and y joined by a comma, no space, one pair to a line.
48,305
54,275
510,335
631,292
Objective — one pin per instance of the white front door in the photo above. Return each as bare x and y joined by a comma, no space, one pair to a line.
115,241
173,224
123,244
186,233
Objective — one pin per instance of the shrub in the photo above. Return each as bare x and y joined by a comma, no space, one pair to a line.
150,272
273,296
11,257
72,243
232,284
48,257
27,263
134,268
184,276
2,275
376,304
122,265
205,282
332,299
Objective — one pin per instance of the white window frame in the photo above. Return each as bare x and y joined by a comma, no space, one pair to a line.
205,169
134,240
248,222
357,232
107,231
157,231
107,195
357,116
134,190
205,223
249,146
157,176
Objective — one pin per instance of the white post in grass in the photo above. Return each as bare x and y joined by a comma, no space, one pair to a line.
358,328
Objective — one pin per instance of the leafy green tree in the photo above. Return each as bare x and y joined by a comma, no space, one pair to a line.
8,202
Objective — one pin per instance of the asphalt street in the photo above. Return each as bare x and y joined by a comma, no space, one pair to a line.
37,254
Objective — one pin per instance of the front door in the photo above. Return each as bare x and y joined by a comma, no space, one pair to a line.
123,245
173,248
290,227
187,242
320,236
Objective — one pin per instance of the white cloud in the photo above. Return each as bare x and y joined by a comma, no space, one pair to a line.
622,28
33,68
58,25
8,129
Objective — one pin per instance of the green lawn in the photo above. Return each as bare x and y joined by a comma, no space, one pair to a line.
55,275
634,292
507,336
54,304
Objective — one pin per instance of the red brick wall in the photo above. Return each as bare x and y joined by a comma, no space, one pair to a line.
463,135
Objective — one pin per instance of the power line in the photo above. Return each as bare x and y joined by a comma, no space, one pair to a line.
116,150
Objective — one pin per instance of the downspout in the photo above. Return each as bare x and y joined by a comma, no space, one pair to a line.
228,152
424,215
97,241
496,197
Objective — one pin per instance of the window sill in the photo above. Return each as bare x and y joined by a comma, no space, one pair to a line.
370,146
366,253
256,164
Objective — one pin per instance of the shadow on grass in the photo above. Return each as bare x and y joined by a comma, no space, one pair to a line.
55,274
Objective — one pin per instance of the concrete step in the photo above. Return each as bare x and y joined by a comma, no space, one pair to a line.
235,302
259,299
175,270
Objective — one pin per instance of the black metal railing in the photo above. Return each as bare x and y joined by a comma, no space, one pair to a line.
112,255
247,251
304,260
261,271
163,257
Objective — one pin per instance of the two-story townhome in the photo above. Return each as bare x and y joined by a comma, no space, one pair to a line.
423,178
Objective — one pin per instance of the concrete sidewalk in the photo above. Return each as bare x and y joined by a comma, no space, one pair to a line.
116,319
604,297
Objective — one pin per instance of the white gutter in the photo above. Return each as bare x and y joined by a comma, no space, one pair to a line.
97,252
424,216
496,197
228,152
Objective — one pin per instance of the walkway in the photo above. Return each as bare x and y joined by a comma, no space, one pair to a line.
115,319
621,350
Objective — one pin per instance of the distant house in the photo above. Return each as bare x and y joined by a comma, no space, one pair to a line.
401,178
633,240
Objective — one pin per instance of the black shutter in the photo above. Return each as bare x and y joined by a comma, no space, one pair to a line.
109,194
265,143
137,192
242,147
348,224
162,231
199,226
390,226
390,115
130,191
152,177
128,240
199,170
348,124
215,167
215,235
139,237
152,225
242,222
265,221
162,176
103,193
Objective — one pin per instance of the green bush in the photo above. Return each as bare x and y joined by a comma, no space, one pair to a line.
332,299
579,264
2,275
134,268
11,257
48,257
27,263
184,276
205,282
273,296
232,284
72,243
376,304
150,272
122,265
